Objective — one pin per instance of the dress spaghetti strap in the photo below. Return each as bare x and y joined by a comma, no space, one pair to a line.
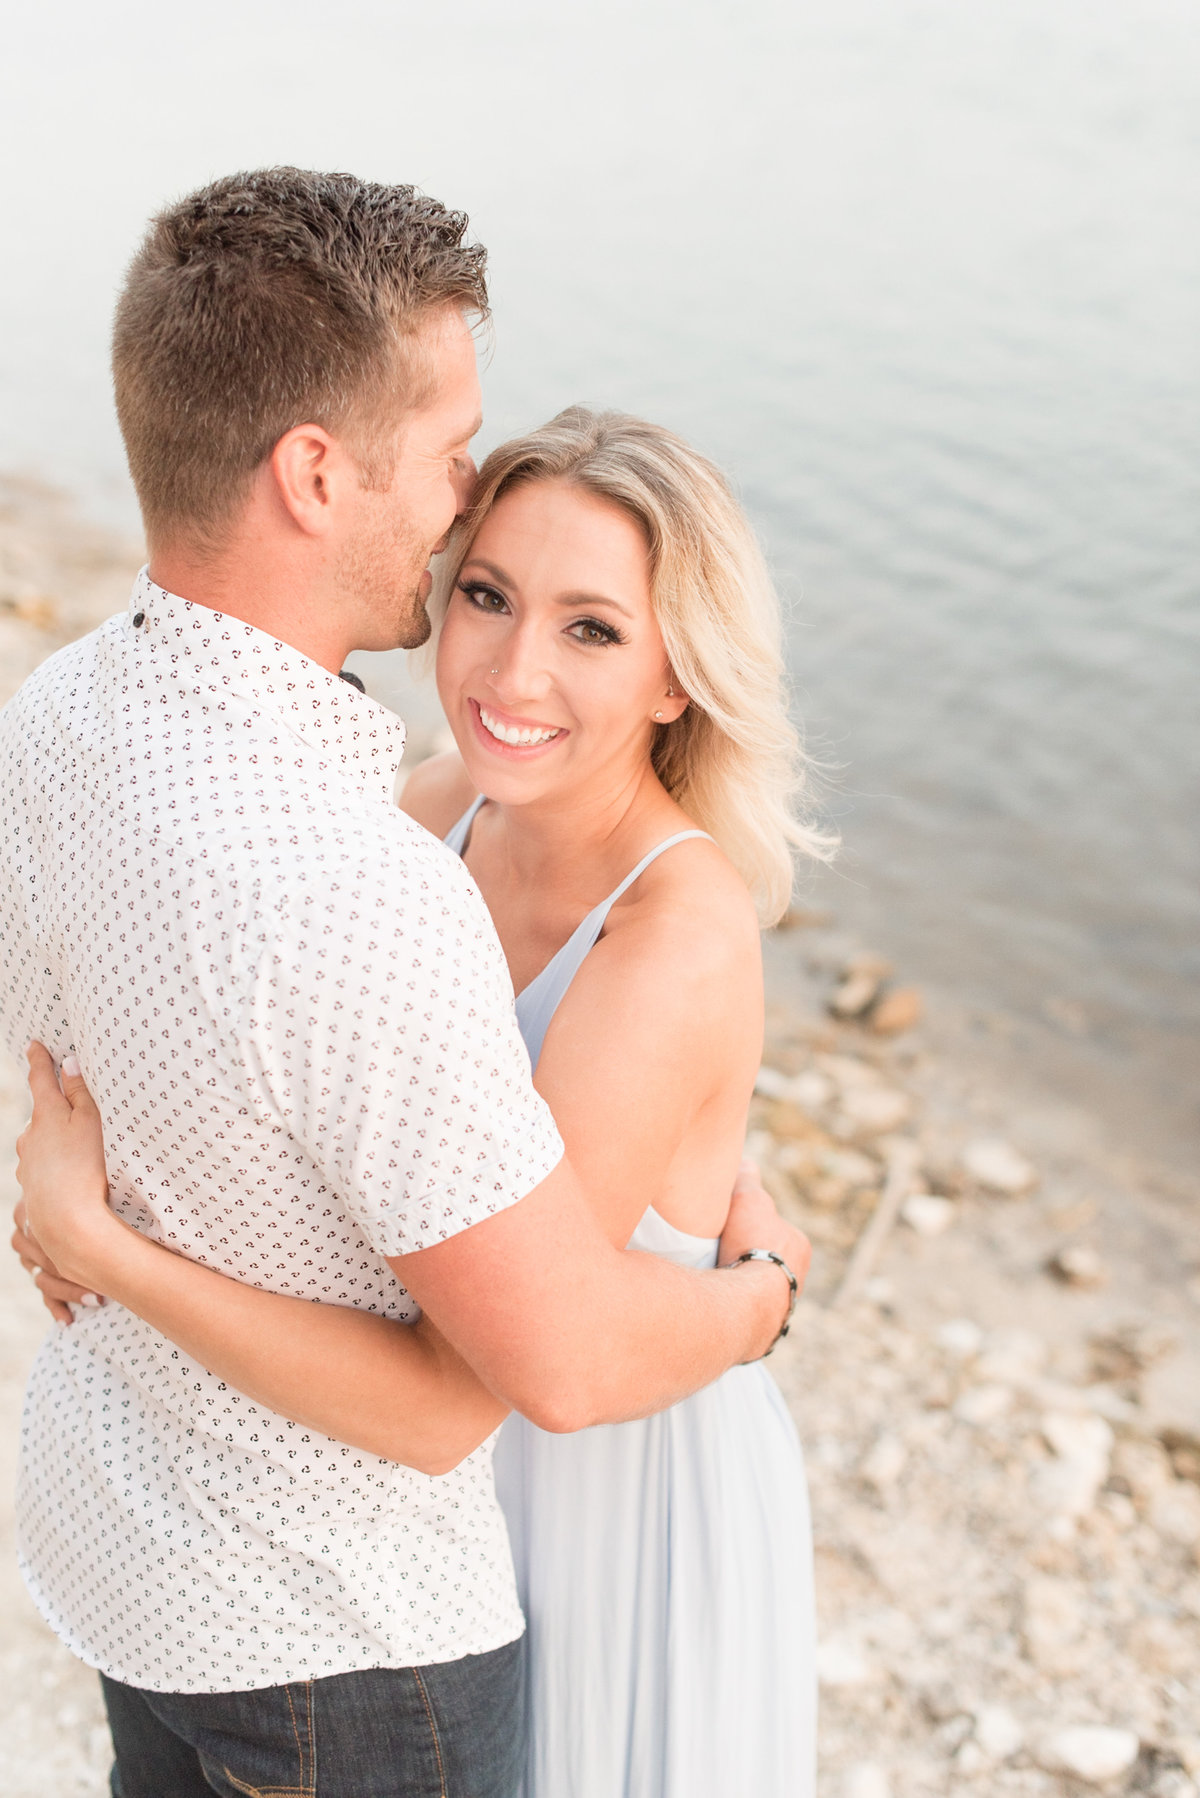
538,1002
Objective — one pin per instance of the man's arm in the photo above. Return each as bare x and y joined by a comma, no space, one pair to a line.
571,1331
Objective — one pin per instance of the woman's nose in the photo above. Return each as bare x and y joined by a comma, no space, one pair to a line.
519,669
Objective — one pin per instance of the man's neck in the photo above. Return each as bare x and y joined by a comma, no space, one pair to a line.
271,591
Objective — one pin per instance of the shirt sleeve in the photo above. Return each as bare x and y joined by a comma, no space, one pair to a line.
377,1026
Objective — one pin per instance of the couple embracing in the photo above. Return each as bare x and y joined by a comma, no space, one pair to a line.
406,1433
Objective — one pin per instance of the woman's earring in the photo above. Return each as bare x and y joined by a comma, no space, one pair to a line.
658,714
493,671
670,690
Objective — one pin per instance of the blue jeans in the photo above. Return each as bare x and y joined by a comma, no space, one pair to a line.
447,1731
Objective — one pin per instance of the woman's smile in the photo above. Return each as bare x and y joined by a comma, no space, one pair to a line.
501,732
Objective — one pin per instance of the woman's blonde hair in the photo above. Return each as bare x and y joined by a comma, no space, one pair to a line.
733,761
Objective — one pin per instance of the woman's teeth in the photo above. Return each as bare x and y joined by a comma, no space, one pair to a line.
518,736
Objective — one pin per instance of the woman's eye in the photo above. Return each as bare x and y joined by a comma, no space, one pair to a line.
486,598
592,630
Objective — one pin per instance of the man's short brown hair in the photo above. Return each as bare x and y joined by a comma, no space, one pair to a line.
272,299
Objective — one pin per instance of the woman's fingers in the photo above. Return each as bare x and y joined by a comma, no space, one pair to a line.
64,1292
57,1292
74,1085
43,1080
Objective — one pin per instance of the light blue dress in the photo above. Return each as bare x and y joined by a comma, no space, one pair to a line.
664,1566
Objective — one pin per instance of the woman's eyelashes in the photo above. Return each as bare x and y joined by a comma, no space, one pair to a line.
594,632
478,593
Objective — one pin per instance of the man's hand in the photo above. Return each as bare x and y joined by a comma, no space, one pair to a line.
754,1223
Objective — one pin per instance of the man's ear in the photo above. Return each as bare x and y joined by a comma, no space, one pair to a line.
310,470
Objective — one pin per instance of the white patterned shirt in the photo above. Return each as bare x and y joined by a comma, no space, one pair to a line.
295,1017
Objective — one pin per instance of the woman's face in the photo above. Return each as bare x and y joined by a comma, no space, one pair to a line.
550,665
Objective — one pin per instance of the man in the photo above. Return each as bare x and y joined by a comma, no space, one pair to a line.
292,1010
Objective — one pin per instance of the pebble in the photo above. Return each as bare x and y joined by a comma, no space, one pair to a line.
867,1779
961,1336
1053,1624
927,1213
1083,1444
875,1109
769,1083
840,1663
1175,1513
998,1733
848,1165
884,1463
1092,1752
1078,1265
983,1404
999,1168
897,1011
854,995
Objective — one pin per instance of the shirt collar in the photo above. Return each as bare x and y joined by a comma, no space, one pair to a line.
227,655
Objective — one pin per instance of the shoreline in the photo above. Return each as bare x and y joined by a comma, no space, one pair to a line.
1002,1424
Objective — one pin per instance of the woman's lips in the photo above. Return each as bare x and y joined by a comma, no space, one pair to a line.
503,734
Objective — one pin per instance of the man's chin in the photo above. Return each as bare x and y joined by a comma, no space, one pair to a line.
417,628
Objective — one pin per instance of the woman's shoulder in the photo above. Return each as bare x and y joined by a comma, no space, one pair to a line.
692,909
438,792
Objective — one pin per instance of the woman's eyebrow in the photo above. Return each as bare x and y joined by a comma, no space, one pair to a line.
564,599
595,599
493,568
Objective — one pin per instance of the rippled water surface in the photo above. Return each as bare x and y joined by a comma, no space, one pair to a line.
925,277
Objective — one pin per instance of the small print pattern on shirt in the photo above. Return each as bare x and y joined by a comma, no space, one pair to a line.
292,1009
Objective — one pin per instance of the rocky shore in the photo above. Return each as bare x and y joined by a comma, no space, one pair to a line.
996,1373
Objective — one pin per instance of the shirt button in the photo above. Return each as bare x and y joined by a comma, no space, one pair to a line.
139,618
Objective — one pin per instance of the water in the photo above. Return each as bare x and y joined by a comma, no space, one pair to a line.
924,277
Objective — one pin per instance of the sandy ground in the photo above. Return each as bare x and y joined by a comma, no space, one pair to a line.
1005,1458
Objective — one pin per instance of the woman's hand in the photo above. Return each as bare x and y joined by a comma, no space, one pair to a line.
64,1217
58,1295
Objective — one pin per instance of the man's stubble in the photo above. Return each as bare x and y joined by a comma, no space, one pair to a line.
380,576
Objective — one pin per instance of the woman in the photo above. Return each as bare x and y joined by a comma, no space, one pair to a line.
608,661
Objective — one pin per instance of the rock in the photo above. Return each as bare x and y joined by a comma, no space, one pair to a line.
866,1779
961,1336
1077,1265
874,1109
769,1083
1174,1512
983,1404
1144,1467
999,1168
1184,1451
1052,1624
884,1464
998,1732
927,1213
970,1759
1092,1752
812,1090
1012,1357
841,1663
851,1168
1082,1443
854,996
1160,1647
896,1011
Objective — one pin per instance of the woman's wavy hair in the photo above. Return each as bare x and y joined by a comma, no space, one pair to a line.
733,761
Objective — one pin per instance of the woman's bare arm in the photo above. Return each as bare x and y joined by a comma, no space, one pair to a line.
396,1390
